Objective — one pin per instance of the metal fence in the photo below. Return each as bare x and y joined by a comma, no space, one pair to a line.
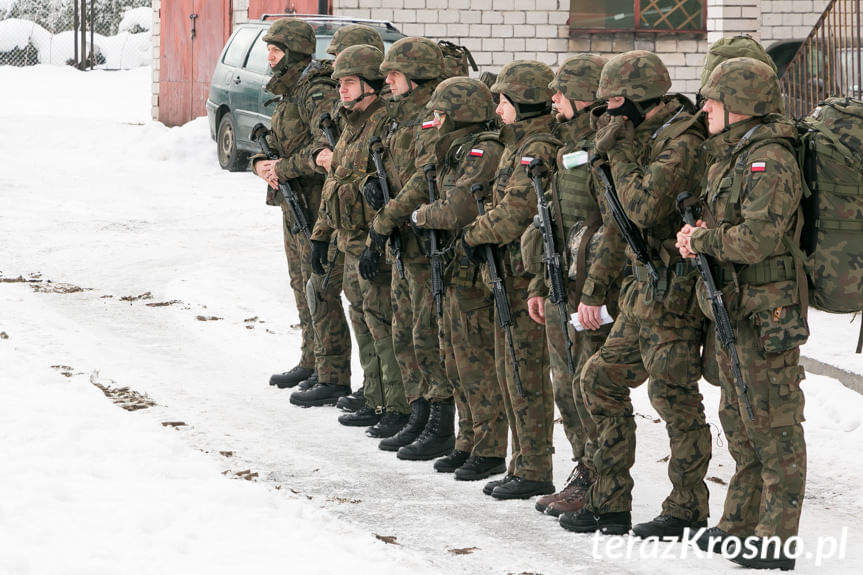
106,34
829,62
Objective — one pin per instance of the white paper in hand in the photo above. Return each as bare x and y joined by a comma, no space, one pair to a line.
604,318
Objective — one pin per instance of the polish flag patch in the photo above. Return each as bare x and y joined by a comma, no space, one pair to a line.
476,152
525,160
428,124
758,167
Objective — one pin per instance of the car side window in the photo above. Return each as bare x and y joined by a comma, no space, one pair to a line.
257,61
235,55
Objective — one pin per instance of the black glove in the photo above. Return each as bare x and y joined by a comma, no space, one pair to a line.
474,254
369,264
373,194
379,241
319,256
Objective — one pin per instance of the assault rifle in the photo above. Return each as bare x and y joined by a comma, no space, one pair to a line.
328,127
259,135
504,316
551,258
435,256
628,230
720,314
376,149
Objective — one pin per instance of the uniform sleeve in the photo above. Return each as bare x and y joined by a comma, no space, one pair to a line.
770,196
320,97
415,191
458,208
514,211
648,194
610,255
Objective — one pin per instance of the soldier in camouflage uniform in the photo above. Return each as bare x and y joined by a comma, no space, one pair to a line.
577,219
304,90
413,67
525,109
343,211
467,154
654,151
325,305
752,212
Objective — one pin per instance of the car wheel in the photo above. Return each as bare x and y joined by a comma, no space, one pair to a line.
226,146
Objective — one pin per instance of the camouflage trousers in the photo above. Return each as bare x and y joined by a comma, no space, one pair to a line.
298,253
668,353
531,414
578,425
370,310
765,495
332,337
469,342
415,334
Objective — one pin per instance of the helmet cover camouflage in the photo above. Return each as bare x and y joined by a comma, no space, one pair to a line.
361,60
463,99
741,46
295,35
415,57
745,86
638,75
353,35
578,77
525,82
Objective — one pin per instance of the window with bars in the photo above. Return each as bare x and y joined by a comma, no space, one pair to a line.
637,16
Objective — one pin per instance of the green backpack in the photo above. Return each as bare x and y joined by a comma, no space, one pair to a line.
831,239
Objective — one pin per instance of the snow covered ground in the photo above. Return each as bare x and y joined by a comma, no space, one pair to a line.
132,266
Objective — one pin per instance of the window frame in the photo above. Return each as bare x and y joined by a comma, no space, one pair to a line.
574,31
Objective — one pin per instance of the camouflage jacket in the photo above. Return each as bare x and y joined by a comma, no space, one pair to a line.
294,131
576,196
649,172
410,143
753,192
343,208
513,199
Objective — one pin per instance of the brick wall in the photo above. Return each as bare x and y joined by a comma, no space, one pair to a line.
789,19
154,67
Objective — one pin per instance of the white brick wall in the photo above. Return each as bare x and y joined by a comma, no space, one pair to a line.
789,19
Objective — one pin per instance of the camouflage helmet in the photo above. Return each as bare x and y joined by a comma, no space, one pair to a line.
745,86
524,82
638,75
463,99
578,77
415,57
295,35
352,35
361,60
741,46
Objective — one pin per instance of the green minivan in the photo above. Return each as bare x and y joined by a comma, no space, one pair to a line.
237,96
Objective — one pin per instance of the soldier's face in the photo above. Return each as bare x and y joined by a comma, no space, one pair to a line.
274,55
564,107
715,111
615,102
506,110
397,82
351,88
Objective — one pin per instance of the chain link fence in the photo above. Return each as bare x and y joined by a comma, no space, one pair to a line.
116,33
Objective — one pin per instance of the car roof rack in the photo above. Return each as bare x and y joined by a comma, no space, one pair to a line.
327,18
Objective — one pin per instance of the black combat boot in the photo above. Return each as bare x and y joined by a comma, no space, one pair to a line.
320,394
763,553
437,438
478,467
352,402
309,383
713,540
292,377
667,527
389,425
363,417
451,462
585,521
521,488
409,433
490,486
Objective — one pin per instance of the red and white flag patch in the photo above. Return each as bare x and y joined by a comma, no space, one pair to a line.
758,167
525,160
428,124
476,152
